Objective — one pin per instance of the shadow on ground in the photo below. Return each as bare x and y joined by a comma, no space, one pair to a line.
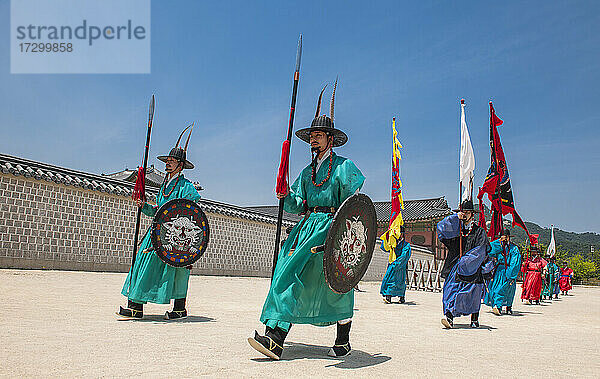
468,326
523,313
161,319
356,359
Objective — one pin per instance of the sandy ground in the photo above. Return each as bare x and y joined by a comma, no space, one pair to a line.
63,324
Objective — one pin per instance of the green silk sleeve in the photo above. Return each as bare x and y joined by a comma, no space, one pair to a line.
496,249
149,210
294,201
514,265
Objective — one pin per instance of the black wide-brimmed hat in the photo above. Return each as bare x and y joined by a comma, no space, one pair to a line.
180,153
323,123
467,206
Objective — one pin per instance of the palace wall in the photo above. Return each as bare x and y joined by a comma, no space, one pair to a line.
48,225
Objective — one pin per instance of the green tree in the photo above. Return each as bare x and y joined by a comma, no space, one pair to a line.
596,259
583,269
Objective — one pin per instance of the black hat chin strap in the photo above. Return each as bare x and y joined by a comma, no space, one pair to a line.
315,154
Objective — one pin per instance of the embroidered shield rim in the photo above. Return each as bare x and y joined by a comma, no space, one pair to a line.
159,219
361,206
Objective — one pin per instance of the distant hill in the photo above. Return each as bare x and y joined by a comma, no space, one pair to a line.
570,242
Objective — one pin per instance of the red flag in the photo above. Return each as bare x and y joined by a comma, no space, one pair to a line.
497,184
495,119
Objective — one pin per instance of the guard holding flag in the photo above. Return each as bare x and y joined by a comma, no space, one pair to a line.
393,241
464,273
394,281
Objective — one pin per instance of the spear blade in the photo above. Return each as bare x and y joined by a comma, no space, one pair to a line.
299,54
151,111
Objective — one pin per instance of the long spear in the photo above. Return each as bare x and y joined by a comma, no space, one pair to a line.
285,156
139,191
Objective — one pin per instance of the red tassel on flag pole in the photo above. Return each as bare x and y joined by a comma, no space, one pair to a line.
533,239
139,191
283,173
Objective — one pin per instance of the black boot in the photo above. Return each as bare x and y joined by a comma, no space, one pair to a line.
475,320
178,312
271,344
133,311
387,299
341,348
402,300
448,321
509,310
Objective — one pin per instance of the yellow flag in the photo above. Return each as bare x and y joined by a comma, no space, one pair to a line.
392,235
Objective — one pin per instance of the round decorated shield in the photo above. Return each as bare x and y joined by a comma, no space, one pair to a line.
179,232
350,243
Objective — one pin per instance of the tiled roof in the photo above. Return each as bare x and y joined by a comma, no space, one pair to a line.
415,210
154,177
243,212
273,210
42,171
103,183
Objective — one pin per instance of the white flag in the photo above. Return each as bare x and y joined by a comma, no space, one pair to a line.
551,251
467,158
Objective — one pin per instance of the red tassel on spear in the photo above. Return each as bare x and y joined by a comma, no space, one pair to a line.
284,166
139,191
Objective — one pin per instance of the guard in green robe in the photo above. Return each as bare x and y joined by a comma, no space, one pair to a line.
150,279
551,275
508,264
298,292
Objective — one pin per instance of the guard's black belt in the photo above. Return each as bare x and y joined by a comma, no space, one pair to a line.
322,209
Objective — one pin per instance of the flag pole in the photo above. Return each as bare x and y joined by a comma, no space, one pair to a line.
286,158
492,113
460,231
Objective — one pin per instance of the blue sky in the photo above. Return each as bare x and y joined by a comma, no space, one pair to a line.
228,67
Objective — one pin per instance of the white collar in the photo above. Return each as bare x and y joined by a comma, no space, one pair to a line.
174,177
320,161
